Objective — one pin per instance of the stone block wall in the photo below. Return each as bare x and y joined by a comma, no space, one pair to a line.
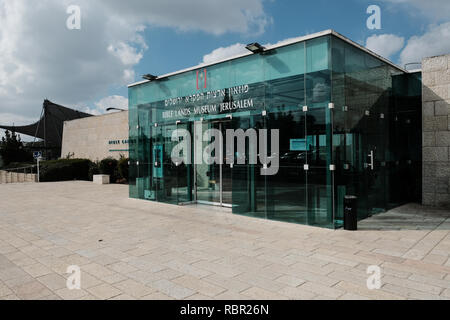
16,177
90,138
436,131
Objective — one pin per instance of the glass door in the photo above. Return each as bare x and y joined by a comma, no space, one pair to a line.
212,175
170,179
359,148
373,148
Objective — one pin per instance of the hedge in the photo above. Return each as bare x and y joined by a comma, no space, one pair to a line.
109,166
65,170
123,168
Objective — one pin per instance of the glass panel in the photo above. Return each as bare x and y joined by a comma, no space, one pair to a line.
319,177
208,171
133,153
370,136
405,179
249,191
368,145
317,58
318,190
227,170
279,82
318,81
183,163
286,62
286,191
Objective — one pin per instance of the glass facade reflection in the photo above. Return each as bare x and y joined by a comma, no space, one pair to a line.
367,145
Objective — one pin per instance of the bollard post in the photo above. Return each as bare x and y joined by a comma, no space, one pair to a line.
350,213
38,169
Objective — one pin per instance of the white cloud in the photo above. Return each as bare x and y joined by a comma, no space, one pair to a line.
435,41
233,50
284,41
112,102
433,9
126,53
17,120
40,58
100,106
224,53
212,16
385,45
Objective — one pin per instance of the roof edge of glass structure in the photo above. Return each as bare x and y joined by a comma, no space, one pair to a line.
279,45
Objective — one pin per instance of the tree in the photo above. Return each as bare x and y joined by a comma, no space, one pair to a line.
13,150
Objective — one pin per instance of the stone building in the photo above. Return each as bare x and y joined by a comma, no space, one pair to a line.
436,130
96,138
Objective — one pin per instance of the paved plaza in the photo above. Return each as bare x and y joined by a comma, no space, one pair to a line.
133,249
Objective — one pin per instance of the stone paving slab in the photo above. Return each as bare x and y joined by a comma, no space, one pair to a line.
134,249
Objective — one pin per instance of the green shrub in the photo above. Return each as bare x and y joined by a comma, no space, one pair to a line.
64,170
123,168
94,168
12,149
109,166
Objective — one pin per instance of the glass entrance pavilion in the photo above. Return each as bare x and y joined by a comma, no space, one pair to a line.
349,123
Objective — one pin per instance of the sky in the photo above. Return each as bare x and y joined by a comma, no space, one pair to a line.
118,41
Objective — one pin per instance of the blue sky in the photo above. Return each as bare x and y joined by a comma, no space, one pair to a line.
289,19
89,69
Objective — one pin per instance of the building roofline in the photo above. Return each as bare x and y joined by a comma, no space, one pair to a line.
276,46
353,43
99,116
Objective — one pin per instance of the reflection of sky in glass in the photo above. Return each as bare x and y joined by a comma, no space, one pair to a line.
276,64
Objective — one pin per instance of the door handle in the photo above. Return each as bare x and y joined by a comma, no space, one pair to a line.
370,164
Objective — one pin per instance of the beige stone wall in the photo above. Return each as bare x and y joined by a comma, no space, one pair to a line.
436,131
89,138
16,177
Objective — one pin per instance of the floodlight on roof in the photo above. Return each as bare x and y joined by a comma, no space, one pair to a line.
149,77
255,47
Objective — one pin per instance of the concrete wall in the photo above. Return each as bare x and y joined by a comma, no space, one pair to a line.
89,138
14,177
436,131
